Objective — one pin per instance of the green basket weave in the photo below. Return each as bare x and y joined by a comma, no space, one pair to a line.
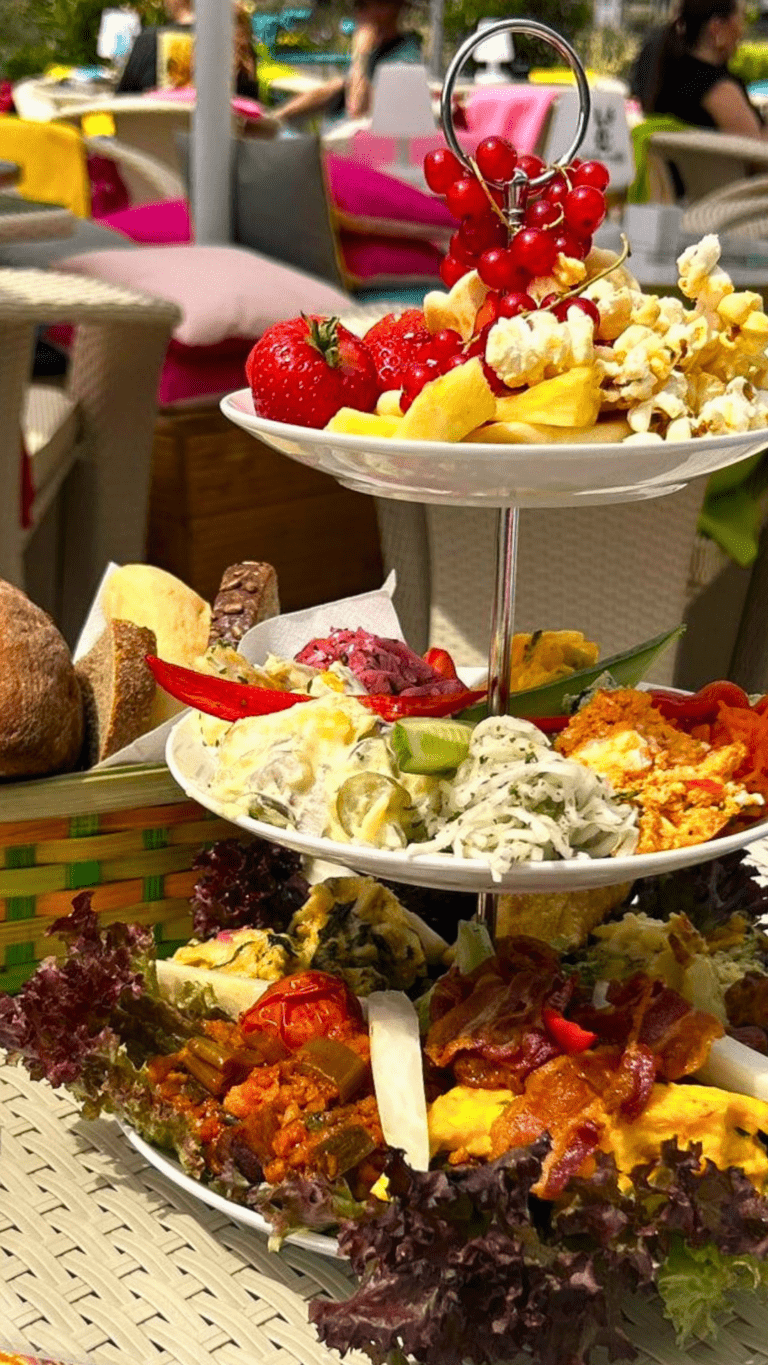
129,834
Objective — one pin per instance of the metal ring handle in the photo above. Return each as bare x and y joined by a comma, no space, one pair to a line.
531,29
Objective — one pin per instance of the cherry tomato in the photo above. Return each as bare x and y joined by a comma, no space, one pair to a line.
302,1006
441,661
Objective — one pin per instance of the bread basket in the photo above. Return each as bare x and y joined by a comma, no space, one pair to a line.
127,833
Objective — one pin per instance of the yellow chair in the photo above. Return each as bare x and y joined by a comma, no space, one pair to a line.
53,161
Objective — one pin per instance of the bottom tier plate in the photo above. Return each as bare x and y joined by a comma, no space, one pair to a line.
191,764
170,1168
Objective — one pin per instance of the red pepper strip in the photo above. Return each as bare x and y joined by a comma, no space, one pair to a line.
571,1037
549,725
700,708
441,661
232,700
706,784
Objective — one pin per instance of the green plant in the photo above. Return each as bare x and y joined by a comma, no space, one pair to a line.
750,62
567,17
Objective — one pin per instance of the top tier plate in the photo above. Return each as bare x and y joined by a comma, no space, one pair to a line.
498,475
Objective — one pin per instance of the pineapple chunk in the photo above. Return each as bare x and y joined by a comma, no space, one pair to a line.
388,404
607,430
450,406
458,308
569,400
350,422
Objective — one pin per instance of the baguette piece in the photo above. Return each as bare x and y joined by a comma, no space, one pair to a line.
247,595
118,689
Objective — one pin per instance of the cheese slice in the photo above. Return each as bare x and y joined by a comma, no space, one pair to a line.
398,1074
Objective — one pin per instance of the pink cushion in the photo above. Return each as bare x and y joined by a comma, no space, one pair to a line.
389,261
223,291
153,224
369,200
517,112
194,373
186,94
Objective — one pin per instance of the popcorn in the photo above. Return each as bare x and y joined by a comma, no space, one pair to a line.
527,349
701,278
733,410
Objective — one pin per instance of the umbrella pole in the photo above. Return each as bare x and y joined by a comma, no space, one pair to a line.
210,158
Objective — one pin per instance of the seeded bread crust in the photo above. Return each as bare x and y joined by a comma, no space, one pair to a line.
41,711
118,689
247,595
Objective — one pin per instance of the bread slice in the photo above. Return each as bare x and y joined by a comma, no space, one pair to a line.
118,689
247,596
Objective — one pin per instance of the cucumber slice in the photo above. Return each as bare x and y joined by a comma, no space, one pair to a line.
627,669
425,745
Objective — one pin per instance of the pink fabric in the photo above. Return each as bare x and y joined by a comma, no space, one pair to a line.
203,372
223,291
153,224
389,261
109,192
517,112
372,197
187,94
382,151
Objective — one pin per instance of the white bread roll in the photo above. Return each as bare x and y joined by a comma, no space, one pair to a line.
180,619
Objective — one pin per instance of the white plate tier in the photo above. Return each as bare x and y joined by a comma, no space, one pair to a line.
170,1168
192,763
498,475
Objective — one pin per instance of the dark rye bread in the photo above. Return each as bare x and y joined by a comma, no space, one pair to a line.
247,596
118,689
41,711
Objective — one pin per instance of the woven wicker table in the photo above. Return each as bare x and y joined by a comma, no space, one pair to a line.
103,1262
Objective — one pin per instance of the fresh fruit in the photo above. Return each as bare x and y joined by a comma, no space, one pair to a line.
592,173
605,432
511,305
560,309
496,159
458,309
441,168
388,404
568,400
533,250
570,245
466,197
305,369
451,270
450,406
394,343
478,234
584,209
499,269
347,421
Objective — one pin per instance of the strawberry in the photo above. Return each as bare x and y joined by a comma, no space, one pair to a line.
394,343
303,370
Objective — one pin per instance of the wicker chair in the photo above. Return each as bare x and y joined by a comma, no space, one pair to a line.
620,573
741,208
707,160
89,442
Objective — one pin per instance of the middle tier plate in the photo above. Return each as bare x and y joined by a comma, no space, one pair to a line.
191,764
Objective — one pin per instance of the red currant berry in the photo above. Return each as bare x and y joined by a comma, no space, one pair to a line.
478,343
560,310
460,252
557,189
488,311
497,268
441,168
577,161
451,270
542,213
417,375
534,250
584,210
510,305
531,165
453,362
495,384
445,344
549,300
570,245
496,159
466,197
592,173
478,234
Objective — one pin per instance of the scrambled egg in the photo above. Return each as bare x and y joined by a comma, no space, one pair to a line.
683,788
352,927
288,768
469,1124
547,655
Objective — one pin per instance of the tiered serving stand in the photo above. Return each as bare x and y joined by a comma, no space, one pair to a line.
509,477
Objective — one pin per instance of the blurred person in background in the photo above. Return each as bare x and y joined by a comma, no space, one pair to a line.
377,38
162,58
682,69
